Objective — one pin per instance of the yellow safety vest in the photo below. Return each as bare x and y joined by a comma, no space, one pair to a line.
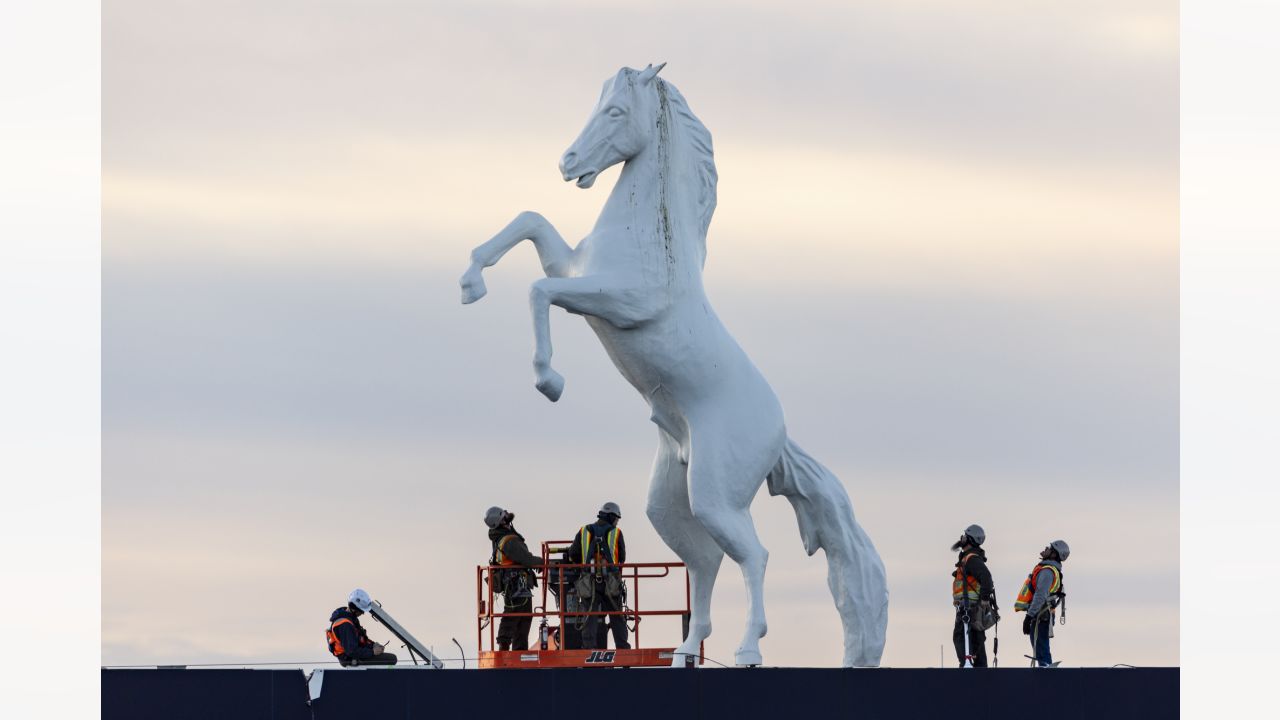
964,585
1028,591
610,544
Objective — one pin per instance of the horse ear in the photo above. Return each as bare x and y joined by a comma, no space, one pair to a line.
650,73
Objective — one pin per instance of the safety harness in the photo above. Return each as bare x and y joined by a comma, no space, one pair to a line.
514,583
599,552
1028,592
331,635
1057,596
335,643
966,596
964,586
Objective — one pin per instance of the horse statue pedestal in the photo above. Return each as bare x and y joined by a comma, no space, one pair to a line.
637,279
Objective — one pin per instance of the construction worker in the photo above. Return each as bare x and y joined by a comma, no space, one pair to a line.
1040,596
600,588
347,639
516,584
973,595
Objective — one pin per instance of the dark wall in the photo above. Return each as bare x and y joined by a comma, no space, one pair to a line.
204,695
618,694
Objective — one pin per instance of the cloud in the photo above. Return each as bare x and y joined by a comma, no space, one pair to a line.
245,404
1093,81
250,516
924,378
946,234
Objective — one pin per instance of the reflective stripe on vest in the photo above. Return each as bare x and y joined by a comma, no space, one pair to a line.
611,543
1028,591
962,585
335,645
499,557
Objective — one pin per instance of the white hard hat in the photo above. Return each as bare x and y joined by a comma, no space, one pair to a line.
976,533
493,516
360,599
1062,548
611,508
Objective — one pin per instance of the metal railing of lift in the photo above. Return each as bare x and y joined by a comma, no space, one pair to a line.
632,572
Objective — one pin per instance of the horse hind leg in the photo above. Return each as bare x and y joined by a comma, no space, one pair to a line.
668,510
722,484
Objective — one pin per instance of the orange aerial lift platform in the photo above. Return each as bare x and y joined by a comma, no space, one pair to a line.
557,644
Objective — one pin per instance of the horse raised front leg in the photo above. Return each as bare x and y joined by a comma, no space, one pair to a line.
600,296
553,252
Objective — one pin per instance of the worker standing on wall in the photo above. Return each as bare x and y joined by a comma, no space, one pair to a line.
973,595
514,584
1041,595
347,639
600,588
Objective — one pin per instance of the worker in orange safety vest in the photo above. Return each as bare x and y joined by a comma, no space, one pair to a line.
515,584
972,595
348,640
1040,597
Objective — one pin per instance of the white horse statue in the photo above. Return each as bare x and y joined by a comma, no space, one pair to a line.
637,279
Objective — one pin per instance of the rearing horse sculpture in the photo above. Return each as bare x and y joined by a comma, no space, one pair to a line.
637,279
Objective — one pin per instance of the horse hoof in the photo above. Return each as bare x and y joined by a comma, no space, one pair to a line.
683,657
472,286
551,384
747,658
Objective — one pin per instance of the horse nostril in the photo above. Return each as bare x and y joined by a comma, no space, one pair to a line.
569,160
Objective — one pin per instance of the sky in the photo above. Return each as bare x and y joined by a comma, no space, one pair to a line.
947,235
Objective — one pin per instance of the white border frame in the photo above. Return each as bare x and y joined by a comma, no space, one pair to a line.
1230,168
50,389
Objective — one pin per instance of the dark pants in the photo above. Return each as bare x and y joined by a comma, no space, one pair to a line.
1040,640
593,638
385,658
977,640
571,632
513,632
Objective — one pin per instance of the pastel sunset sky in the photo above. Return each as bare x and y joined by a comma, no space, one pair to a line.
947,233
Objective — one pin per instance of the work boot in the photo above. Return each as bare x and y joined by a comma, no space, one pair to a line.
504,645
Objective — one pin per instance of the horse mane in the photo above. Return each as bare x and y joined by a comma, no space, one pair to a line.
697,150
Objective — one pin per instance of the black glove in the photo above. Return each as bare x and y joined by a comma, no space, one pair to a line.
1026,625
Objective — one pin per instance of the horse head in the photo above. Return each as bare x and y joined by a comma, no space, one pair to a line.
619,128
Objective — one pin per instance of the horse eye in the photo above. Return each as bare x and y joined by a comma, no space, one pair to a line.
615,112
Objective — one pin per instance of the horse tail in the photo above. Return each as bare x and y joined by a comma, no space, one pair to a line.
855,572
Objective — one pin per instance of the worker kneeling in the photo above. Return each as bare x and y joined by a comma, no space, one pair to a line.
347,639
600,587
